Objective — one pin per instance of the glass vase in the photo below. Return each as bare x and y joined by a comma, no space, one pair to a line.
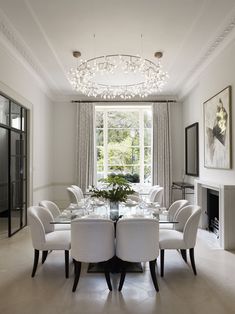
114,210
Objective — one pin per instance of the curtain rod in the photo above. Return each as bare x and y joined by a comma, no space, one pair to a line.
121,101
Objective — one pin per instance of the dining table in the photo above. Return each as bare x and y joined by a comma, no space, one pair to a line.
99,209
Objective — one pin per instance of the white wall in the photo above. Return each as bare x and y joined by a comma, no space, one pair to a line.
19,84
64,150
218,75
177,142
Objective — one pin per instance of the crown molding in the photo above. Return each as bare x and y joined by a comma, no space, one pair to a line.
16,46
223,39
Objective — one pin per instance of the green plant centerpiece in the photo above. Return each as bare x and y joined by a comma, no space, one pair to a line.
116,189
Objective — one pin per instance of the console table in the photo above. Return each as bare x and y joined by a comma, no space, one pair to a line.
183,186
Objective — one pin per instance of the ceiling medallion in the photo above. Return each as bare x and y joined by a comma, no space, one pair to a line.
117,75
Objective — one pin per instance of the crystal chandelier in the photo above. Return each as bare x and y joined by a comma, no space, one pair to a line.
117,75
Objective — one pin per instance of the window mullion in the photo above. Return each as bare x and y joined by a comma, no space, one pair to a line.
141,143
105,143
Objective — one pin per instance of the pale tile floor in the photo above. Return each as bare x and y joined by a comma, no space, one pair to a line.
212,291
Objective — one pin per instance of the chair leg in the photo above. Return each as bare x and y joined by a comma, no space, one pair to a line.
162,262
35,263
66,256
184,255
107,275
44,256
77,266
123,275
191,254
152,265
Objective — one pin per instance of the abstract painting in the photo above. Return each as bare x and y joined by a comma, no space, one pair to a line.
217,135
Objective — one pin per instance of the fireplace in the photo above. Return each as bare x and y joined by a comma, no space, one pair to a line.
221,207
213,211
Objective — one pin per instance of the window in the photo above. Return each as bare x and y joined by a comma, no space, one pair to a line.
123,142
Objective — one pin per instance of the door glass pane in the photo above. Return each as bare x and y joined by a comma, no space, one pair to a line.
15,116
24,119
15,143
24,168
3,173
16,210
24,186
15,168
23,144
4,110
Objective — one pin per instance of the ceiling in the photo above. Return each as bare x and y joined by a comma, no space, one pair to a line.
45,32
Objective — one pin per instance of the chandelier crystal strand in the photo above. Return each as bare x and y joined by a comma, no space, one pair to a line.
100,76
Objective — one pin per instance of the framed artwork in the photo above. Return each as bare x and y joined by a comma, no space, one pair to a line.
217,130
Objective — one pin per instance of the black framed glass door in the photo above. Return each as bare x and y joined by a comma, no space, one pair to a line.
13,158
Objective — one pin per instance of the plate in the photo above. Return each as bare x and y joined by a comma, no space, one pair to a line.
97,203
130,203
153,204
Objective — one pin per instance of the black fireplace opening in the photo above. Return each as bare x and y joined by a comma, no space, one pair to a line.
213,211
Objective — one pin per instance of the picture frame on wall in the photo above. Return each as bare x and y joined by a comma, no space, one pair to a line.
217,130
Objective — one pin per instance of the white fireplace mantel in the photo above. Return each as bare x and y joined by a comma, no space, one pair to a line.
226,210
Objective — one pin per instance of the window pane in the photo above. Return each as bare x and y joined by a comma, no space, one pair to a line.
148,119
100,171
123,169
100,155
147,137
99,119
147,155
4,110
123,155
122,119
99,137
127,137
147,174
15,116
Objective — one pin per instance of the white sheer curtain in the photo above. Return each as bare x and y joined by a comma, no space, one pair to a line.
85,165
161,169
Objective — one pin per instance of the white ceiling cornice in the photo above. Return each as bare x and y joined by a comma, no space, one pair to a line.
16,46
221,41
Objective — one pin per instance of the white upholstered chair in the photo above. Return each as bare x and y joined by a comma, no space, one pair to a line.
156,195
137,241
45,238
92,241
175,208
173,212
55,211
183,237
153,188
79,190
74,195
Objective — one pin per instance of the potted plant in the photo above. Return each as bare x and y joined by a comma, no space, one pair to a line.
116,189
